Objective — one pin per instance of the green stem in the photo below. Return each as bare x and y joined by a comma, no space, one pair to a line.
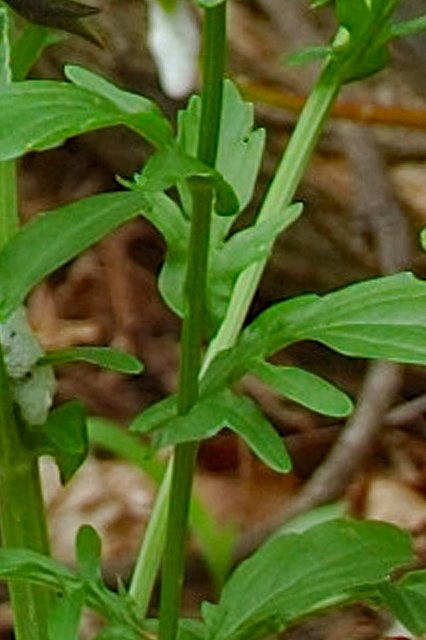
21,516
8,201
194,320
279,196
146,567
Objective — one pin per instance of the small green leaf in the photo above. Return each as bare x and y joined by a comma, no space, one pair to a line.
294,575
229,257
308,55
88,554
27,565
408,605
155,416
112,438
217,411
307,389
245,418
66,438
101,356
170,166
409,27
361,45
28,47
50,240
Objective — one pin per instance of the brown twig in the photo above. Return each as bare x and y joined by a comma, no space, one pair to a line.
363,112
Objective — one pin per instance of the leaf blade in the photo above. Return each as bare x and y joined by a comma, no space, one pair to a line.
105,357
296,574
307,389
59,236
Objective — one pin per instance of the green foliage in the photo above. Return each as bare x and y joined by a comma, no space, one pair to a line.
240,149
294,575
64,436
28,47
407,599
225,409
74,589
267,593
60,236
171,166
47,112
381,318
361,45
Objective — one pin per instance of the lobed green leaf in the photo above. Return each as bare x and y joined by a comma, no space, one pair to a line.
379,318
211,414
170,166
239,155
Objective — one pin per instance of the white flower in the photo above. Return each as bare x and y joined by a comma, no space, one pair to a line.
174,43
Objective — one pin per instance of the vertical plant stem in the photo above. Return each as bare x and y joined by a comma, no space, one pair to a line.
146,568
8,201
193,323
279,196
22,518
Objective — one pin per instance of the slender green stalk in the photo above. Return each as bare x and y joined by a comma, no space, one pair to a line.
22,518
280,193
146,568
194,320
8,201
